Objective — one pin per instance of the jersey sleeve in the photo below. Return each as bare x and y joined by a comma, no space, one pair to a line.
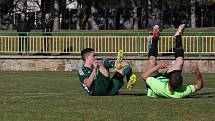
82,75
185,90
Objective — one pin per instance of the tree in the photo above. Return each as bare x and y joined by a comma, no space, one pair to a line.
6,9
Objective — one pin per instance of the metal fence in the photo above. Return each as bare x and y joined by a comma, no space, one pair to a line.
102,42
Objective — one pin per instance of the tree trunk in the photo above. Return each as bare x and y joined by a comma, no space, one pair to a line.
56,20
135,19
193,15
149,7
149,11
0,17
79,20
94,19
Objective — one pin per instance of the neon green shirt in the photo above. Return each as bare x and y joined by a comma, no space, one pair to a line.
159,88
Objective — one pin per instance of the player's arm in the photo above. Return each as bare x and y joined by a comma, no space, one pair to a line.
148,73
88,81
103,70
199,80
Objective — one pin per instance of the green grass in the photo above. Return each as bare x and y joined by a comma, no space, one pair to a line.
58,96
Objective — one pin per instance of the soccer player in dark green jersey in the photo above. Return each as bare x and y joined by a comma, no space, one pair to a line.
95,78
169,84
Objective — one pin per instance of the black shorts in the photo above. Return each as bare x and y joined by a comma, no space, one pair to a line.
167,75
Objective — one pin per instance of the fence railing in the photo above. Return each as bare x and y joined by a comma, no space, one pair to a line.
103,42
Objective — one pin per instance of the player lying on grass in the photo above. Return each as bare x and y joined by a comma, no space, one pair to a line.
169,84
95,77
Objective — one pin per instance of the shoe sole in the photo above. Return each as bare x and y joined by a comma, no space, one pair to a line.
132,81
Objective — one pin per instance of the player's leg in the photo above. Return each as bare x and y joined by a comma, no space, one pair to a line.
153,50
100,85
127,70
179,51
115,84
116,81
128,73
152,54
123,70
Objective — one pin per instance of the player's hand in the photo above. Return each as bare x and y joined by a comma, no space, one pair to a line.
96,64
162,64
195,68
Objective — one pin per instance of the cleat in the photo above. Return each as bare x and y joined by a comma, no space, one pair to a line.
131,82
119,60
180,30
119,66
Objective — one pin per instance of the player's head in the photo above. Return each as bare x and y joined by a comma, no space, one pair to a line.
176,80
88,54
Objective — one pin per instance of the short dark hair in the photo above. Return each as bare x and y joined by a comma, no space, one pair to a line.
84,52
176,80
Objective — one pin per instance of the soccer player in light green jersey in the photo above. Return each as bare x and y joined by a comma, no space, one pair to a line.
95,78
169,84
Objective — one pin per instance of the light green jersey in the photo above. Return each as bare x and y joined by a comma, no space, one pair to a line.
159,88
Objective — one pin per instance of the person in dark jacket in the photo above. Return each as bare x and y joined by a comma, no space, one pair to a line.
47,29
23,27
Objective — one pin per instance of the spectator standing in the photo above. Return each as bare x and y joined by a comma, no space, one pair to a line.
47,25
23,28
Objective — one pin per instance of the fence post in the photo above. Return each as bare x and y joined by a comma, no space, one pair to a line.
27,43
138,43
199,44
82,41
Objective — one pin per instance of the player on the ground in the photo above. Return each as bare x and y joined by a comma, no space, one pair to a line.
169,84
95,78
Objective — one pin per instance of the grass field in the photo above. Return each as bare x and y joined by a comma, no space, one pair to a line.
58,96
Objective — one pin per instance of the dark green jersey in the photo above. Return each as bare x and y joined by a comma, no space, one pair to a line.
100,83
84,73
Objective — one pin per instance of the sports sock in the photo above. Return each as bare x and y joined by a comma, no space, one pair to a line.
179,51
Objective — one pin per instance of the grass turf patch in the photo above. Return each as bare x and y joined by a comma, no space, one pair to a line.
49,96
